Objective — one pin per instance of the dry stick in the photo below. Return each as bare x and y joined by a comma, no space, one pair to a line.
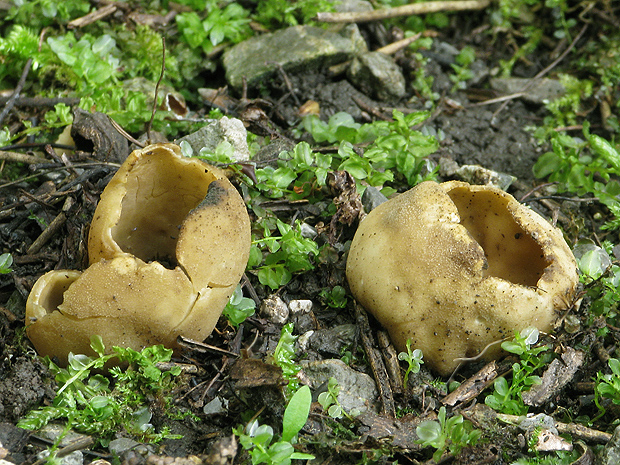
20,157
18,89
40,101
125,134
394,47
93,16
161,76
53,227
405,10
376,364
575,430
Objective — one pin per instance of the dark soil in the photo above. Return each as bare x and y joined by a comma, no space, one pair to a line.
494,136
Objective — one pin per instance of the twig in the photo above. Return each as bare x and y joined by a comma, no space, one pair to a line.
125,134
93,16
575,430
405,10
376,364
20,157
53,227
394,47
40,101
161,76
18,89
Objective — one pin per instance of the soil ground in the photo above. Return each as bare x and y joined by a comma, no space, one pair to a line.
492,136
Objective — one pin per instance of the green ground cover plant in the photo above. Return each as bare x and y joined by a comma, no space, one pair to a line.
91,404
95,64
506,397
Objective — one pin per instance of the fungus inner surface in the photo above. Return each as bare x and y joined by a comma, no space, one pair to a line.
511,252
160,192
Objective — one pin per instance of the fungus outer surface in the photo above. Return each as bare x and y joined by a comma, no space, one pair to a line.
455,267
169,241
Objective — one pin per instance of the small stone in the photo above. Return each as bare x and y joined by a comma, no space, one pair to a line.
74,458
297,48
121,445
225,129
274,309
333,340
376,73
611,453
358,392
372,198
308,231
300,306
475,174
539,91
303,341
216,406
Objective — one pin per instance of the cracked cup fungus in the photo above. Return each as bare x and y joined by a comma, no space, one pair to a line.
455,267
168,244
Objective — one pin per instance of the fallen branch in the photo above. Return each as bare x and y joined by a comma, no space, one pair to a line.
576,431
20,157
405,10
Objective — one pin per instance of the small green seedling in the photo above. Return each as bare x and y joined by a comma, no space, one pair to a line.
413,359
444,434
90,405
329,401
284,357
6,260
608,386
335,298
286,254
506,398
258,439
239,308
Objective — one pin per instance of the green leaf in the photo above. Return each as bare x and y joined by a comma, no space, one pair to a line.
96,343
501,386
429,432
6,260
296,413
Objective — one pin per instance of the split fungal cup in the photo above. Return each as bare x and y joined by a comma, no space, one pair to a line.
455,267
168,244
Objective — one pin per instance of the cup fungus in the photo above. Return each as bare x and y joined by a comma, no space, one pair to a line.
456,267
168,243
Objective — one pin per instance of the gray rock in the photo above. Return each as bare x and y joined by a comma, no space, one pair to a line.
226,129
333,340
216,406
52,432
274,309
475,174
120,445
295,49
357,390
377,74
611,453
539,91
372,198
74,458
349,6
300,306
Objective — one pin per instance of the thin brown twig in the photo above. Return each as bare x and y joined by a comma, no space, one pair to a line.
391,49
20,85
405,10
17,157
93,16
161,77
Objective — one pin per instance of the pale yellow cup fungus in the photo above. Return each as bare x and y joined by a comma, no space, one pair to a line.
455,267
168,244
